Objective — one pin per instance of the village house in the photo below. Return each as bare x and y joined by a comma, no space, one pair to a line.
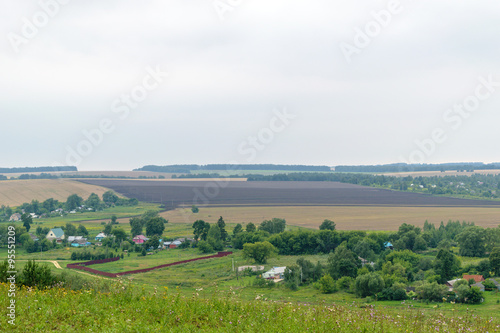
140,239
81,242
477,278
15,217
276,273
57,234
100,237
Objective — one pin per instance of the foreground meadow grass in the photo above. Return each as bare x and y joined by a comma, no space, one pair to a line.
124,309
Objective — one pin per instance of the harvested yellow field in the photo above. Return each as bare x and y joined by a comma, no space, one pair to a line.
346,217
17,192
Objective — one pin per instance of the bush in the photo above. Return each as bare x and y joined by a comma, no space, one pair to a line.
37,275
431,291
396,292
205,247
474,296
327,284
369,284
263,283
344,283
489,285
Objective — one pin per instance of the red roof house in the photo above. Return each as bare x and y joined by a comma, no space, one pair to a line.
477,278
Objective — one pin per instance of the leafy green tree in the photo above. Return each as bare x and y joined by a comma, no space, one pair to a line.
113,219
50,205
153,242
70,230
195,209
327,225
343,262
24,239
120,234
274,226
369,284
410,258
492,238
107,229
94,202
8,212
27,220
74,201
472,242
259,252
155,226
364,249
250,227
214,237
237,229
446,265
495,260
222,226
136,226
201,229
110,198
327,284
82,231
309,272
148,215
420,244
292,277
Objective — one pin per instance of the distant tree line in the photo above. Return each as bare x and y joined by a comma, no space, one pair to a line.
187,168
403,167
38,169
55,176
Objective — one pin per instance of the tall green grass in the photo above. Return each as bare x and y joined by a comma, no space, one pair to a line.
124,309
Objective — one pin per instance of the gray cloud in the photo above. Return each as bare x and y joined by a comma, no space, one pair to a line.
226,77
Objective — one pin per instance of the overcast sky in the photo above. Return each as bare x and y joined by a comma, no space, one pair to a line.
249,81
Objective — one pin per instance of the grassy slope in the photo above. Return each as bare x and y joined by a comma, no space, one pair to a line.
124,309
